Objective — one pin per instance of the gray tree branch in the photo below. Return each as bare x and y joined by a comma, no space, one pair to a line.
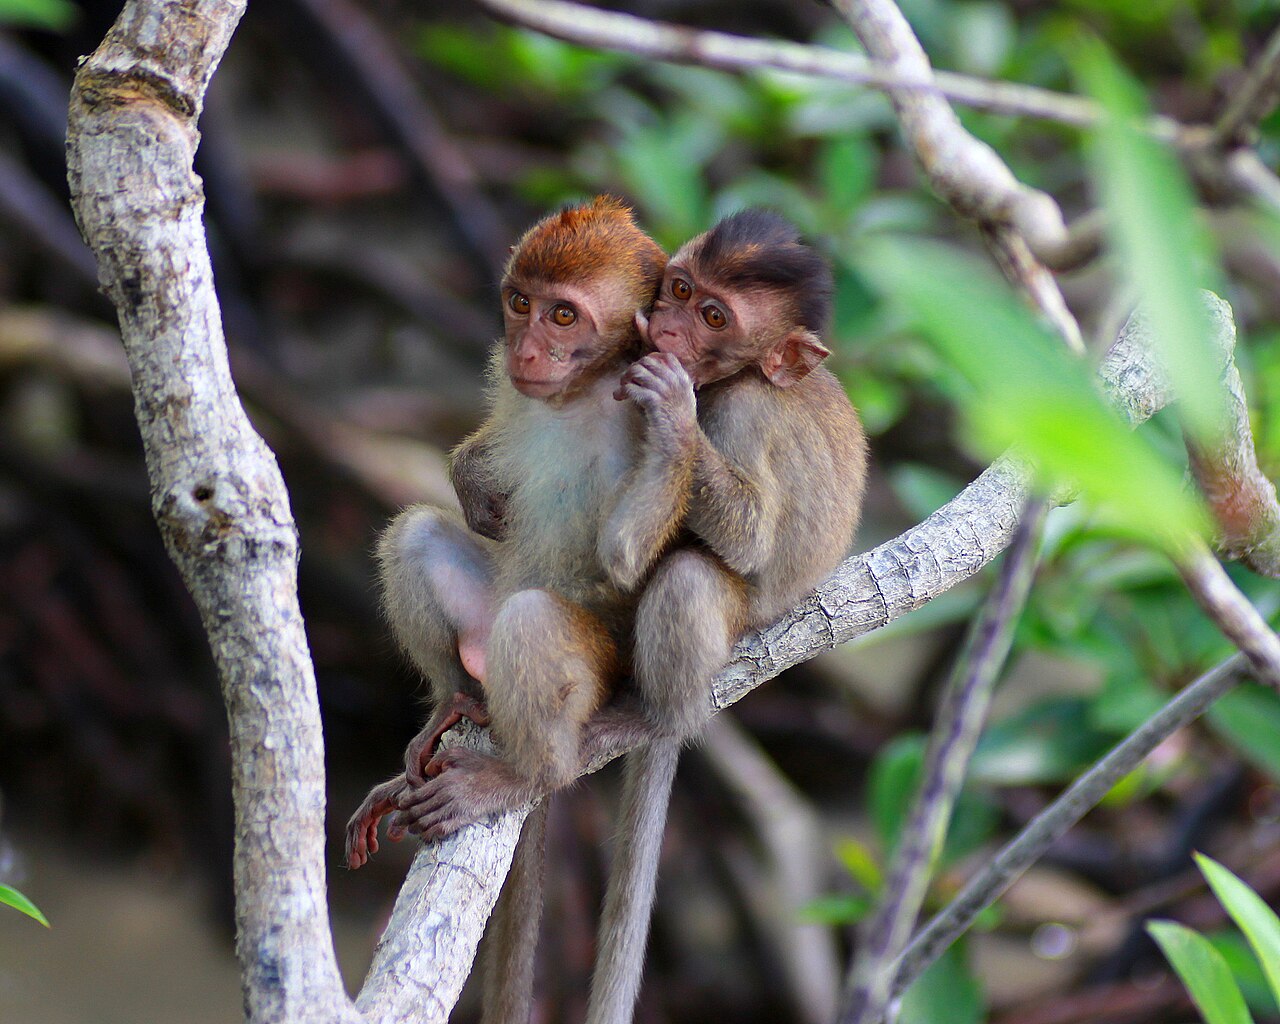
216,491
590,26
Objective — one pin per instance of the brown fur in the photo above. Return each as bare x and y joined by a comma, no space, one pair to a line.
581,497
779,464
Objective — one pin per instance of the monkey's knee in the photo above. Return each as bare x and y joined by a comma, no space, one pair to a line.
436,590
688,620
549,664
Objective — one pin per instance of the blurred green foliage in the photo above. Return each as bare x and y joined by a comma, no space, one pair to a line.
921,324
52,15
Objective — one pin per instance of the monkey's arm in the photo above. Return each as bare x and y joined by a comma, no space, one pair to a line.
650,504
484,502
735,504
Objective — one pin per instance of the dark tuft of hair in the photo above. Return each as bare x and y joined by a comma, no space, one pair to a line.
762,249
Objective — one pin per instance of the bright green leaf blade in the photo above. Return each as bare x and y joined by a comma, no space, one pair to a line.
1204,972
1152,218
13,898
1253,917
835,910
861,864
1020,386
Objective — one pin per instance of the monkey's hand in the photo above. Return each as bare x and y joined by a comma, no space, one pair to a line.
362,829
664,391
468,785
486,514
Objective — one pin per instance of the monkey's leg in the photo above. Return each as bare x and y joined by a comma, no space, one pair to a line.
689,616
437,579
550,662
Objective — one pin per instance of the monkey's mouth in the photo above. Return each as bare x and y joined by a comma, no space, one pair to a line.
535,388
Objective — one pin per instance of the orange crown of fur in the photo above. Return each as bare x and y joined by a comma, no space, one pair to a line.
584,242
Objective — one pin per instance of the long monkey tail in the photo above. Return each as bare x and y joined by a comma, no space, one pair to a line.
512,943
628,902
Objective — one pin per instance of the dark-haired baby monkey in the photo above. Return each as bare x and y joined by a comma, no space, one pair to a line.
582,496
779,466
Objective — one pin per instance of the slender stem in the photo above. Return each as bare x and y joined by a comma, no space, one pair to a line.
1253,100
589,26
1232,612
955,735
1049,825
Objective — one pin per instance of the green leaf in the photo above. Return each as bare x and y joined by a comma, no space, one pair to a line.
1019,385
861,864
847,170
947,993
1204,972
1253,917
835,910
53,15
1249,718
1152,218
1048,742
892,782
11,897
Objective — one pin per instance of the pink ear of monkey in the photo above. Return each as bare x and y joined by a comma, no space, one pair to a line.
793,358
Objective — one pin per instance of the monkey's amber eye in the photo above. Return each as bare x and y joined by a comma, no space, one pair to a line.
563,316
681,288
714,317
518,303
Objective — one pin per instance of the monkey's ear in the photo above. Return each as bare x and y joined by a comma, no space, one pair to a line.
791,359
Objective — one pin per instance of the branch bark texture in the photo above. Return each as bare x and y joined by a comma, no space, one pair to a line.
216,491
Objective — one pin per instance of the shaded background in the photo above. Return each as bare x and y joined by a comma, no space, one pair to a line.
366,166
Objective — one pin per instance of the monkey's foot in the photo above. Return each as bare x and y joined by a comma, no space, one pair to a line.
362,829
420,754
467,786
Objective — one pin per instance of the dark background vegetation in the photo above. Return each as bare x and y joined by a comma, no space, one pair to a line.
366,166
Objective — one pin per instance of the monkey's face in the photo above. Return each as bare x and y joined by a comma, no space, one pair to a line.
700,326
558,335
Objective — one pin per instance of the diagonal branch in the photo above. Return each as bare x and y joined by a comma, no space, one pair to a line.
1252,100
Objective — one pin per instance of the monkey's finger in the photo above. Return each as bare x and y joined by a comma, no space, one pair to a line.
642,396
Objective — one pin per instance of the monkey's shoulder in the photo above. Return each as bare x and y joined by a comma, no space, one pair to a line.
813,408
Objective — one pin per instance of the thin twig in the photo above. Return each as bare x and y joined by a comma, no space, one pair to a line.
1232,612
1055,820
955,735
590,26
1252,100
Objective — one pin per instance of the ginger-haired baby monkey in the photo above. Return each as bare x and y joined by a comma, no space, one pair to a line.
526,617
